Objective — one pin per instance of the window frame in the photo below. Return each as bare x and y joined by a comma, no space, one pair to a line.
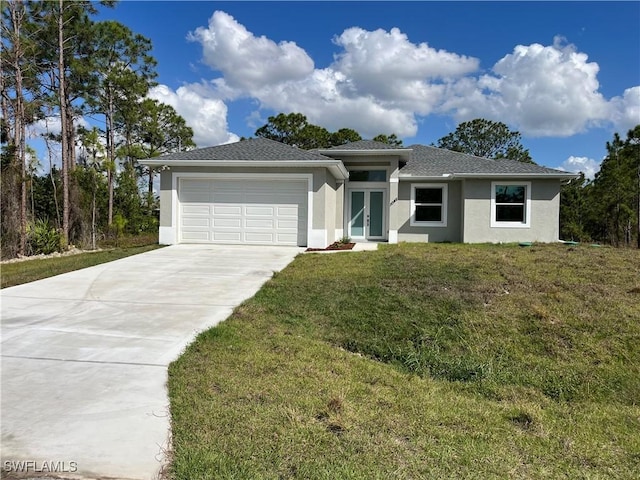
444,205
495,223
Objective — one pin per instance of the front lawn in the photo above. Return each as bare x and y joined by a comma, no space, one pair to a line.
38,268
421,361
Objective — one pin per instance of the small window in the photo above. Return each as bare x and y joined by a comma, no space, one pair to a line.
429,205
510,204
368,176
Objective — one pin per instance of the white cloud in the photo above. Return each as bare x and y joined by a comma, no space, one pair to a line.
206,116
626,110
380,81
388,67
52,125
543,90
246,61
586,165
320,99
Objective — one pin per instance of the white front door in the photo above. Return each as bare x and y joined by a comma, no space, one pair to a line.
367,214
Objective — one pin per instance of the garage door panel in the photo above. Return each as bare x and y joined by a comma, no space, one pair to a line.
232,237
261,211
287,238
195,235
227,222
288,211
235,210
243,211
197,222
260,223
203,210
259,238
284,223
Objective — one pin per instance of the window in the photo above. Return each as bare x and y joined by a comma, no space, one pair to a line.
429,205
510,204
368,176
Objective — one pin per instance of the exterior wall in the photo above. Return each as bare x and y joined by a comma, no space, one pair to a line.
324,210
395,215
339,217
322,200
411,233
544,213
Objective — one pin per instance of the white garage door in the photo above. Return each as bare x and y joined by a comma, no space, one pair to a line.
259,212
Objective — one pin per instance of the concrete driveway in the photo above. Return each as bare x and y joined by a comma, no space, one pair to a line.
85,354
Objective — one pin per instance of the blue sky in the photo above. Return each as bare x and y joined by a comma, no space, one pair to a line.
566,75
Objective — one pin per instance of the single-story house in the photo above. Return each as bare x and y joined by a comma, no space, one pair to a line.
263,192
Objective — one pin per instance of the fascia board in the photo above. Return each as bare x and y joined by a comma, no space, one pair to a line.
451,176
336,167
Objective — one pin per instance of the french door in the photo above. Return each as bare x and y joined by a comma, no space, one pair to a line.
367,214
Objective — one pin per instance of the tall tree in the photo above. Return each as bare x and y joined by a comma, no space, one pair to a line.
388,139
294,129
344,135
486,138
158,130
573,210
17,69
94,165
66,34
615,202
124,71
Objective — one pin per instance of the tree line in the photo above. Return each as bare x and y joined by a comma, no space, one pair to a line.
606,208
61,67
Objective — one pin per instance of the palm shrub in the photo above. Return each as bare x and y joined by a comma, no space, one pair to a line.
42,238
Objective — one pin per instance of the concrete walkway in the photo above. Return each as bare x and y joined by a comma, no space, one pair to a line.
85,354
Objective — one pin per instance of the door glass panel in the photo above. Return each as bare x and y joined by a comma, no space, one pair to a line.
375,214
357,214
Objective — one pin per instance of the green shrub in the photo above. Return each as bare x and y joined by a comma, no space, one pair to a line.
42,238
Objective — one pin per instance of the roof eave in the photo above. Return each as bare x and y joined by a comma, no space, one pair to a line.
451,176
336,167
559,175
444,176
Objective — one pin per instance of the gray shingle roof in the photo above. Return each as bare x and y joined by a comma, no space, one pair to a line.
435,162
365,145
253,149
422,161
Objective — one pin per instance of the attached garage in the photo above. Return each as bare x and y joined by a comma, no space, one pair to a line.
253,192
243,211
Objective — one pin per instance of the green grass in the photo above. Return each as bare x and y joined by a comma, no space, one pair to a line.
30,270
420,361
